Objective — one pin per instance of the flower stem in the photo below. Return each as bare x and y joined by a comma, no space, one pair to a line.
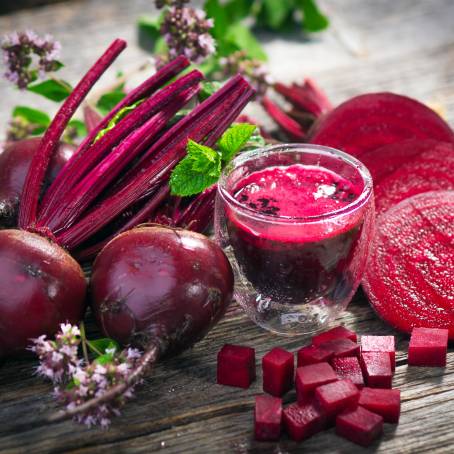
83,338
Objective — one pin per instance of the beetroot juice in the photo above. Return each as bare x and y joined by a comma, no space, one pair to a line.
297,224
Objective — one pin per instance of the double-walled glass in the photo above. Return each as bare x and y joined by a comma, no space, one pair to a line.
295,274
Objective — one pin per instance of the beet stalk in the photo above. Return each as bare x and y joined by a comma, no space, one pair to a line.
91,118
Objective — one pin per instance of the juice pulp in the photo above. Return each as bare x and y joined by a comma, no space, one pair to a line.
287,254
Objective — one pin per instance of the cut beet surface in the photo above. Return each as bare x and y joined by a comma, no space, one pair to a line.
312,355
383,402
308,378
414,250
341,347
380,344
336,397
377,371
236,366
372,120
430,171
278,369
360,426
267,418
428,347
338,332
303,421
348,368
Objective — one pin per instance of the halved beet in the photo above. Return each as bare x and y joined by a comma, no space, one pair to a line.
372,120
430,171
409,278
387,159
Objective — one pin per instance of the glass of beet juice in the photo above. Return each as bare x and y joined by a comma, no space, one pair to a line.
297,222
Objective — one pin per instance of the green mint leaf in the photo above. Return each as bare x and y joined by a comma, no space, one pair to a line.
207,88
109,100
313,19
241,38
79,126
234,139
100,346
238,10
55,90
218,13
275,13
34,116
204,159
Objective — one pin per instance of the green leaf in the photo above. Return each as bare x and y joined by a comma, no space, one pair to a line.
207,88
241,38
234,139
109,100
275,13
313,19
218,13
204,159
150,25
104,359
237,10
100,346
55,90
34,116
79,126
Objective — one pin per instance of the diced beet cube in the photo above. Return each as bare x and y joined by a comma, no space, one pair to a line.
348,368
302,421
335,397
312,355
383,402
267,418
339,332
428,347
380,344
341,347
360,426
310,377
376,367
236,366
278,369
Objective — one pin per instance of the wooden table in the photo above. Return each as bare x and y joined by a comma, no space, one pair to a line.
405,46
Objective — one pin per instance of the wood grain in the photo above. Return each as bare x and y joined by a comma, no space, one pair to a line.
405,46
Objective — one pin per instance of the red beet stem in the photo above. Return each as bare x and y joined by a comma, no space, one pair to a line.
68,178
85,192
288,124
215,114
30,197
91,118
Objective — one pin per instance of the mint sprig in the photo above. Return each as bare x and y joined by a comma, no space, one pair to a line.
202,166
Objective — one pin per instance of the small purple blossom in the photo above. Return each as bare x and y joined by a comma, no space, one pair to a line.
163,3
28,56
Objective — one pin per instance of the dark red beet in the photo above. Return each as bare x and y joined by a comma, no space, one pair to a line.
383,402
14,164
377,371
338,332
40,287
348,368
302,421
341,347
359,426
308,378
160,285
380,344
333,398
428,347
413,250
278,369
312,355
267,418
372,120
430,171
236,366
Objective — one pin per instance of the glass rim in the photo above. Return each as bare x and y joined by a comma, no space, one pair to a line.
268,150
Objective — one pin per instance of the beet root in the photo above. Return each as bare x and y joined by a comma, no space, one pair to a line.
162,286
373,120
15,161
41,286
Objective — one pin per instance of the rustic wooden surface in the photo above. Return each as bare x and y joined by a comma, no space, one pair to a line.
405,46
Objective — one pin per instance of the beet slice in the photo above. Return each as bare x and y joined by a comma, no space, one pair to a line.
377,371
430,171
308,378
338,332
336,397
360,426
380,344
372,120
348,368
236,366
383,402
278,369
428,347
267,418
409,278
303,421
313,355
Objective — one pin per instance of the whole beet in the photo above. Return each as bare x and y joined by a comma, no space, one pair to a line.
160,286
41,286
15,161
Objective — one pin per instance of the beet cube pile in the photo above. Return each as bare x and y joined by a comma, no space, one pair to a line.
338,383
